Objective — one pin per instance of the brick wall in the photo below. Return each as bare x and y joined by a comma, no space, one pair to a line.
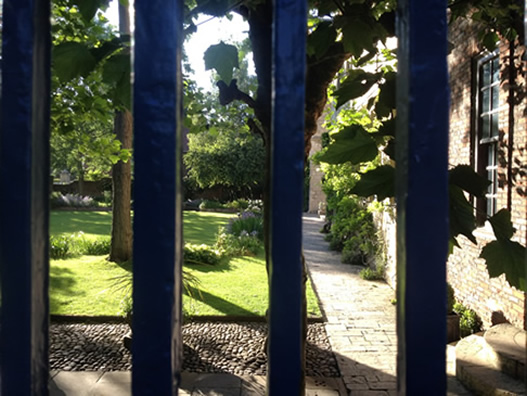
493,299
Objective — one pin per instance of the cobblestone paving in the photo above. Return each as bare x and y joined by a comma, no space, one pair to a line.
360,317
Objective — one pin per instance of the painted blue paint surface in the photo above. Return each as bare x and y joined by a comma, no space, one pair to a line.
422,195
24,167
285,318
157,342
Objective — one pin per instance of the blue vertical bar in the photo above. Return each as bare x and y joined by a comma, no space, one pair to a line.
422,196
24,179
286,366
157,343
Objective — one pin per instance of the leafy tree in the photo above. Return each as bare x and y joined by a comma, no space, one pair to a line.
231,159
92,66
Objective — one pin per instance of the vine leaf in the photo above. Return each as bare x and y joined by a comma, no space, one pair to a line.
223,58
508,257
467,179
320,40
502,225
351,144
386,102
88,8
379,181
116,72
355,85
216,8
72,59
357,35
462,220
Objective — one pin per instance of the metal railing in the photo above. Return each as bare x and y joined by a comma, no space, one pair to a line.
24,162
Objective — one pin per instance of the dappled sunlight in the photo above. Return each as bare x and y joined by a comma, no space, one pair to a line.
85,286
198,230
92,224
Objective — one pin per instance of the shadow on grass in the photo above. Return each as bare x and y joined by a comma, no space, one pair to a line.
218,303
69,222
203,227
224,266
61,283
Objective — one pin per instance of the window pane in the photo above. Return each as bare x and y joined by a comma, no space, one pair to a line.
486,73
485,100
485,127
496,69
495,97
495,125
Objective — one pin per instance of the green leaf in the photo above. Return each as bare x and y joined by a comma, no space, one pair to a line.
357,36
386,103
506,257
467,179
72,60
462,220
502,225
116,73
223,58
321,39
214,7
355,85
352,144
490,40
109,47
379,181
88,8
388,128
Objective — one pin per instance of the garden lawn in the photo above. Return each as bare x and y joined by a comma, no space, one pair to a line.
238,287
90,285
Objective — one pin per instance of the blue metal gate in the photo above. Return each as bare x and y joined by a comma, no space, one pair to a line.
24,150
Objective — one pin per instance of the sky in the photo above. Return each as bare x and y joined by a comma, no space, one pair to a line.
210,31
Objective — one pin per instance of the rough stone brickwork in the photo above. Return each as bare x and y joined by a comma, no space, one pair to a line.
386,226
493,299
316,195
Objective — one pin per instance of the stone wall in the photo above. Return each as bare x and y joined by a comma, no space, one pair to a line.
316,195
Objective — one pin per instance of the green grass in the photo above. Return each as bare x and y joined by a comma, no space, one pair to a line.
238,287
85,285
89,285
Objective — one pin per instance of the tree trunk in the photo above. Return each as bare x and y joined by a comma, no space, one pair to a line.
121,244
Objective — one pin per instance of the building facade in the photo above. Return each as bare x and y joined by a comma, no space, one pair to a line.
488,119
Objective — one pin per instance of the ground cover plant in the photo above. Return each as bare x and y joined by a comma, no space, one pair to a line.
88,284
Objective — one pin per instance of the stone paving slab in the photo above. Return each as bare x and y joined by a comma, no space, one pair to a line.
118,383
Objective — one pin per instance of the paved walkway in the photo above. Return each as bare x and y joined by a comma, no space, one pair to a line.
361,320
360,317
360,325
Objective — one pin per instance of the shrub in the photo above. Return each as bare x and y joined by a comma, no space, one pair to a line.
469,321
63,246
247,223
352,231
239,204
372,274
60,246
201,254
207,204
94,247
59,200
243,245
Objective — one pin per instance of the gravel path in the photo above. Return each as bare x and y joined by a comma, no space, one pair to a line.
235,348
